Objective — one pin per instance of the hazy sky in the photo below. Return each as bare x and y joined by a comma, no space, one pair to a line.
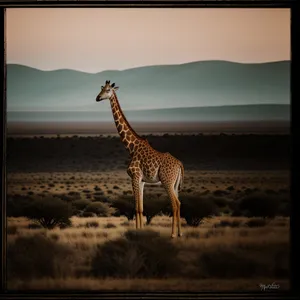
93,40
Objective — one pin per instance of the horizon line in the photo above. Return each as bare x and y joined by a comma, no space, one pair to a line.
145,66
147,109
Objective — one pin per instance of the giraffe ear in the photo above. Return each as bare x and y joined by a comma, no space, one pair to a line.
116,88
102,87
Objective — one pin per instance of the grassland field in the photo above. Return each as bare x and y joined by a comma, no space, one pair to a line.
209,257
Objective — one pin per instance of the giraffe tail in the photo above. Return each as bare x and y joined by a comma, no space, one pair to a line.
181,177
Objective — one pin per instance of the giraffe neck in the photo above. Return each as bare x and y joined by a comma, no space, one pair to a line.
128,136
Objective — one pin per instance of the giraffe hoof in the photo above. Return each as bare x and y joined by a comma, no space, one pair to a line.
180,234
173,236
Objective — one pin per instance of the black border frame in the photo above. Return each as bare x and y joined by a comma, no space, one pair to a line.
295,28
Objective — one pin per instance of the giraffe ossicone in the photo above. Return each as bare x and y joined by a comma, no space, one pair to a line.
147,165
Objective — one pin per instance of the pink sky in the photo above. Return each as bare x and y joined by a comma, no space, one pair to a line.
93,40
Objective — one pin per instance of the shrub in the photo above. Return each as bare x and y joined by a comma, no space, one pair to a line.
80,204
98,208
284,209
34,226
194,209
17,205
125,207
238,261
220,193
49,212
87,214
227,223
153,206
110,225
256,222
141,253
193,234
259,205
91,224
220,201
13,229
35,257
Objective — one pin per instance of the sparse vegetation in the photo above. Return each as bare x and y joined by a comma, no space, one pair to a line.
194,209
140,254
125,206
259,205
98,208
209,256
49,212
36,257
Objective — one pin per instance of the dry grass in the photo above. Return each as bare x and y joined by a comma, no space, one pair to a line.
204,239
207,238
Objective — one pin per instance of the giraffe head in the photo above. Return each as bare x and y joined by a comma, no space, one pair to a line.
106,91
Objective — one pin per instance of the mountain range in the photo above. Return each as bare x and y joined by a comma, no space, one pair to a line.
205,83
190,89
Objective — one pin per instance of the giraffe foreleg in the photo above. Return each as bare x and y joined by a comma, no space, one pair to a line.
141,204
137,186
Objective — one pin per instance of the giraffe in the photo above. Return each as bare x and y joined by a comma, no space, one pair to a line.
147,165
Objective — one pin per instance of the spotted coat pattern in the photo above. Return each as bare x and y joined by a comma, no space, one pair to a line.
148,165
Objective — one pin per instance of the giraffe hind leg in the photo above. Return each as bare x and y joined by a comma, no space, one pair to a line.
176,186
173,198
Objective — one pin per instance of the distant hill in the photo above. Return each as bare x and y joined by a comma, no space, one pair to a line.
196,84
263,112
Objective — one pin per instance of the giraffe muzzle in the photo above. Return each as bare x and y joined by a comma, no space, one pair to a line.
98,99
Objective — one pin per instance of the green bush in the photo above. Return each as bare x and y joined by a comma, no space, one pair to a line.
49,212
140,254
195,208
35,257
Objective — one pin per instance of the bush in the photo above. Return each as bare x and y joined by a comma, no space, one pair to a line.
125,207
110,225
220,201
153,206
13,229
80,204
92,224
140,254
98,208
87,214
256,222
17,205
194,209
35,257
238,261
49,212
227,223
34,226
284,209
259,205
